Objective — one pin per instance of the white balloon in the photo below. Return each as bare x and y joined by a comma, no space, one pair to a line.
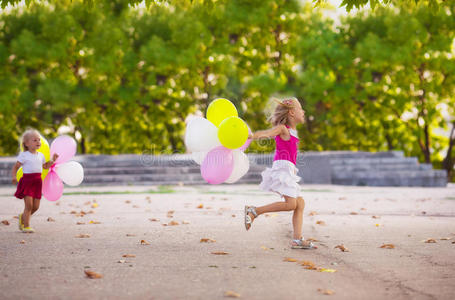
241,166
198,157
70,172
201,135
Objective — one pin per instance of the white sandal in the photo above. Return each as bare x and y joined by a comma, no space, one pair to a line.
248,220
302,244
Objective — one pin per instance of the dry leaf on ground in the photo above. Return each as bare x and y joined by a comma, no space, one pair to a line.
363,208
80,223
144,242
173,223
445,238
5,222
219,253
326,292
288,259
231,294
83,235
94,222
93,275
185,222
128,255
309,265
94,205
200,206
206,240
50,219
342,248
353,213
154,220
130,234
327,270
312,213
376,217
320,222
388,246
127,201
22,242
430,241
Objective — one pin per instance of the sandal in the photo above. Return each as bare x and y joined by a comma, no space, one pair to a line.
28,230
248,220
302,244
21,226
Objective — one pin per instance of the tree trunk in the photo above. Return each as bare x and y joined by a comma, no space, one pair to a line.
449,161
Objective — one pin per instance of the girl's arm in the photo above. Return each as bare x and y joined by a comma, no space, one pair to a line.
16,167
48,164
269,133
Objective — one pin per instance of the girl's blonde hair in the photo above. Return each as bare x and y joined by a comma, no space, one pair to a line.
281,113
26,135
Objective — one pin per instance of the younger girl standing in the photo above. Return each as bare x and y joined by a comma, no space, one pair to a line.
282,177
30,185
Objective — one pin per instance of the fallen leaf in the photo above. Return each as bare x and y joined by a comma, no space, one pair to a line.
445,238
312,213
200,206
376,217
50,219
342,248
320,223
92,275
388,246
363,208
233,216
430,241
127,201
353,213
213,266
220,253
144,242
264,248
288,259
327,270
16,217
309,265
208,207
94,222
5,222
80,223
342,198
173,223
130,234
122,261
83,235
154,220
94,205
206,240
22,242
377,225
128,255
135,206
326,292
185,222
231,294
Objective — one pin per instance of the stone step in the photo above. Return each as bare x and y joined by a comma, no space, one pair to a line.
380,167
374,160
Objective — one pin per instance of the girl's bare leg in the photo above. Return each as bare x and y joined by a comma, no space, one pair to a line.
27,211
35,207
297,218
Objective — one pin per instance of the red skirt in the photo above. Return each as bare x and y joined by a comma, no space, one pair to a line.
29,185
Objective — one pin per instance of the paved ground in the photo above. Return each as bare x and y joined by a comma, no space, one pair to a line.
176,265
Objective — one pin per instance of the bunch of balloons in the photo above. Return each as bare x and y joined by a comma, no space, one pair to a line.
217,143
70,172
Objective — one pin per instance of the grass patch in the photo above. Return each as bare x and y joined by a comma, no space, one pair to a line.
161,189
450,198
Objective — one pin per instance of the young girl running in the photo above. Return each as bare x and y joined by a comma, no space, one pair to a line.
282,177
30,185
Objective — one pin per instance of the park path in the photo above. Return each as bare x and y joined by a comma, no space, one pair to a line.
174,264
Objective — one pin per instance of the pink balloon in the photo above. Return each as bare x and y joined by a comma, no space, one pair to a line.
65,146
217,165
52,186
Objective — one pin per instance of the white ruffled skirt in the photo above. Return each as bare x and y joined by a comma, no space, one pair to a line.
281,178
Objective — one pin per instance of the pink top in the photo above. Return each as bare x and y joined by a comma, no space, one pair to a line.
287,150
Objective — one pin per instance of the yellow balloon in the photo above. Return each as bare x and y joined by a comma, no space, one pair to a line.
20,173
43,149
233,133
220,109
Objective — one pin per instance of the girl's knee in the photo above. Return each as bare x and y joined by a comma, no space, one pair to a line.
300,203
